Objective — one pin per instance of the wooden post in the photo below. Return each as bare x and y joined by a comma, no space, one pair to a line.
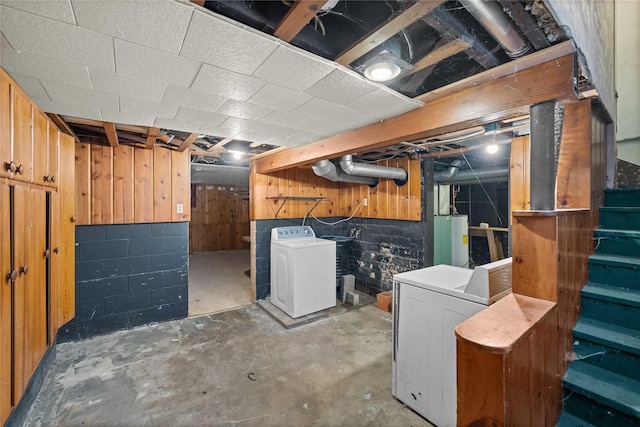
429,209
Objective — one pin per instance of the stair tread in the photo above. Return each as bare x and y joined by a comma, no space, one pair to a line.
626,261
627,296
611,335
617,233
570,420
620,209
614,390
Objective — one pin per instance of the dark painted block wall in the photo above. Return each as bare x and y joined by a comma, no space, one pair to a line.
128,275
382,249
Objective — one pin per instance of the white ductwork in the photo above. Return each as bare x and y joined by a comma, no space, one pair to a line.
327,169
499,25
469,176
398,175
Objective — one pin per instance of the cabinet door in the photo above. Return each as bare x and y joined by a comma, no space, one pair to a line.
22,134
40,148
53,154
5,127
53,247
67,191
20,208
5,305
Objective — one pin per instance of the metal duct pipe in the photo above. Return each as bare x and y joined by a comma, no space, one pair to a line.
450,172
398,175
498,24
328,170
469,176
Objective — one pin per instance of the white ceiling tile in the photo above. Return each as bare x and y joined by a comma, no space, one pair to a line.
279,97
141,106
293,68
74,110
321,109
133,87
146,63
158,24
297,121
60,10
244,110
217,131
302,138
53,39
242,125
127,118
226,83
44,68
32,86
341,87
192,98
75,95
200,116
237,48
179,125
383,104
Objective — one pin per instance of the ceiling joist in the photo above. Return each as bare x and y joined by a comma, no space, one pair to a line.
151,138
63,125
301,12
438,54
187,142
504,97
112,135
386,31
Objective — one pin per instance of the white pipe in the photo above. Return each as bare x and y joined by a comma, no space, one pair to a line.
328,170
347,165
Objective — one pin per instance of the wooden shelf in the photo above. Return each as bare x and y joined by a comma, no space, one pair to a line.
286,198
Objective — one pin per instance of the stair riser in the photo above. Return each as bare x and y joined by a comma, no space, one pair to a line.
615,245
605,357
620,220
611,312
614,275
596,414
622,198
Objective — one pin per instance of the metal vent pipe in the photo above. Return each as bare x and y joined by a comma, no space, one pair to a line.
469,176
499,25
450,172
398,175
327,169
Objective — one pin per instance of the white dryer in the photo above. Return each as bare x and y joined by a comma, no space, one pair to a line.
303,271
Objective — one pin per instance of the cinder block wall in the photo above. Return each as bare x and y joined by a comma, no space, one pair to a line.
128,275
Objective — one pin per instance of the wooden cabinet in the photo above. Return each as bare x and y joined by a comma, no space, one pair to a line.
45,150
5,305
16,132
67,238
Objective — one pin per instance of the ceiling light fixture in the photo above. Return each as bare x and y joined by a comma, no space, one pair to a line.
492,148
237,154
382,71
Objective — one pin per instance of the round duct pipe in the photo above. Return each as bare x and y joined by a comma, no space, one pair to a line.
328,170
469,176
398,175
491,16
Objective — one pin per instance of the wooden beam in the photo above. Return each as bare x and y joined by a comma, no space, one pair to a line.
546,55
220,143
301,12
79,121
198,2
386,31
507,96
187,142
112,135
62,125
436,55
526,23
143,130
151,138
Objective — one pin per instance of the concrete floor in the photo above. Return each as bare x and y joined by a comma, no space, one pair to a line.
235,368
217,281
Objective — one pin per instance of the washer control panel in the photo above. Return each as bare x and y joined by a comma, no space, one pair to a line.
292,232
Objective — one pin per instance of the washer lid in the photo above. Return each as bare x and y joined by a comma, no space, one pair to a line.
304,243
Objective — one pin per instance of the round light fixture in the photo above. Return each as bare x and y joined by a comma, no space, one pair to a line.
237,155
492,149
382,71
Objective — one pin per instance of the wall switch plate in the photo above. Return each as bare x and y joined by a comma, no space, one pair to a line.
365,202
179,208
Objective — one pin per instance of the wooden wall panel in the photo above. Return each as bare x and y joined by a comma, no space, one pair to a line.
599,143
519,176
122,185
123,197
219,219
67,191
385,201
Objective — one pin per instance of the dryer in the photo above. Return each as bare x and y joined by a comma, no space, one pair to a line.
303,271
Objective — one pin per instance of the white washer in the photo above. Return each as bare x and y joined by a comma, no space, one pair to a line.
428,304
303,271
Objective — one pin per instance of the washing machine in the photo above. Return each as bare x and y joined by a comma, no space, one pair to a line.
303,271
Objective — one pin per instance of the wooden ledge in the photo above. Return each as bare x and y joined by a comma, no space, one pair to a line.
502,325
556,212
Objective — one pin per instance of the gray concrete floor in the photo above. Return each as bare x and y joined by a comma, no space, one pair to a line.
235,368
217,281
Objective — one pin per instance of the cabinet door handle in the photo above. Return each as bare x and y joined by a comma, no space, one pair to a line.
56,250
47,253
21,170
52,179
24,269
74,218
11,276
11,166
46,178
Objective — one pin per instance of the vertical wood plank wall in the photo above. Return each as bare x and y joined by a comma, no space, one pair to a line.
385,201
122,185
219,218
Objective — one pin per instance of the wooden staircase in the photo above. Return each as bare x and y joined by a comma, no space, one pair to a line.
602,386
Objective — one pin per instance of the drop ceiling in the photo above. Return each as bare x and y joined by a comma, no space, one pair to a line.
201,75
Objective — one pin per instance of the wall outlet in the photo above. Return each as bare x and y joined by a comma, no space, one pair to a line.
179,208
365,202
